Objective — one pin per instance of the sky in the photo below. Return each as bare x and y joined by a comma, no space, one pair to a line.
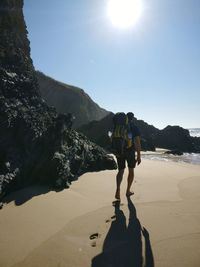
151,68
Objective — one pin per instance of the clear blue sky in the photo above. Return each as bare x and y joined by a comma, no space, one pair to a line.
152,69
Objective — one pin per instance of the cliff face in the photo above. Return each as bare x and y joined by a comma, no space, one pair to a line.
15,52
69,99
35,143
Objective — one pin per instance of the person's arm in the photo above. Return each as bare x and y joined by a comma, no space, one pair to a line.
137,145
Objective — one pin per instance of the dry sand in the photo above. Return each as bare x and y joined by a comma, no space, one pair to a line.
159,226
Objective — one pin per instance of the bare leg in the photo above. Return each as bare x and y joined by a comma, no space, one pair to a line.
118,181
130,181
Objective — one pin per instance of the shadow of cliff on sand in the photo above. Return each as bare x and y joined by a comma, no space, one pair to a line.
23,195
123,246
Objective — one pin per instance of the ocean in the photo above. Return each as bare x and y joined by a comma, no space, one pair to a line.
192,158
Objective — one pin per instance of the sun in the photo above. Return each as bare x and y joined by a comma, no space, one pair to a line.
124,13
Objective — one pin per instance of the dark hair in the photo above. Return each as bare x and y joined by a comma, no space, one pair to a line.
130,115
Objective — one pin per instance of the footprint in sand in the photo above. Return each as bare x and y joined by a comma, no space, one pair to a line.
94,237
93,244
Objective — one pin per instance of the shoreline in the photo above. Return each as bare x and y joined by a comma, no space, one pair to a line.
188,158
55,229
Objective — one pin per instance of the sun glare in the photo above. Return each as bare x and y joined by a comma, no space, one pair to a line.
124,13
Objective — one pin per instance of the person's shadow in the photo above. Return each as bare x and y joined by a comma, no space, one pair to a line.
123,244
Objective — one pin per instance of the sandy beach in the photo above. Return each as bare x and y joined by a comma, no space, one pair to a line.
79,227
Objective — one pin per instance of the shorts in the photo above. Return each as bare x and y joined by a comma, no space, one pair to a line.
128,156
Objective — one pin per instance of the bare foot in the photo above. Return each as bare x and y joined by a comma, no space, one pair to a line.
130,193
117,195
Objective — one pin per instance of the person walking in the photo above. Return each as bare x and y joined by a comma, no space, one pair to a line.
129,157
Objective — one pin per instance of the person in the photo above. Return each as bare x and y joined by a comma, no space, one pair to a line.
129,157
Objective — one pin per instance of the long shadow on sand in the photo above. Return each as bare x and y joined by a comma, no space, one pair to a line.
123,244
23,195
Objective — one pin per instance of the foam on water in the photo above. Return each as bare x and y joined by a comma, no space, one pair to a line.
194,132
192,158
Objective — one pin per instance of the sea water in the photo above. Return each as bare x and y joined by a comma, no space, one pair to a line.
192,158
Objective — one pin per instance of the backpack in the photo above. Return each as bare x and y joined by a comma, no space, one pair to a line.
121,130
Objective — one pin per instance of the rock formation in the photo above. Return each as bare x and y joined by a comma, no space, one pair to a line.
35,143
175,138
69,99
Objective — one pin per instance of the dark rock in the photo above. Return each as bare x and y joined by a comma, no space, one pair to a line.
147,143
97,131
196,143
174,138
147,133
174,152
36,144
63,156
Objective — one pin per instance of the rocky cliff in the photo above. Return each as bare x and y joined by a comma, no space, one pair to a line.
36,144
69,99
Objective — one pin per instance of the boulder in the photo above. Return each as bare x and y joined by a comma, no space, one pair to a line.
174,138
